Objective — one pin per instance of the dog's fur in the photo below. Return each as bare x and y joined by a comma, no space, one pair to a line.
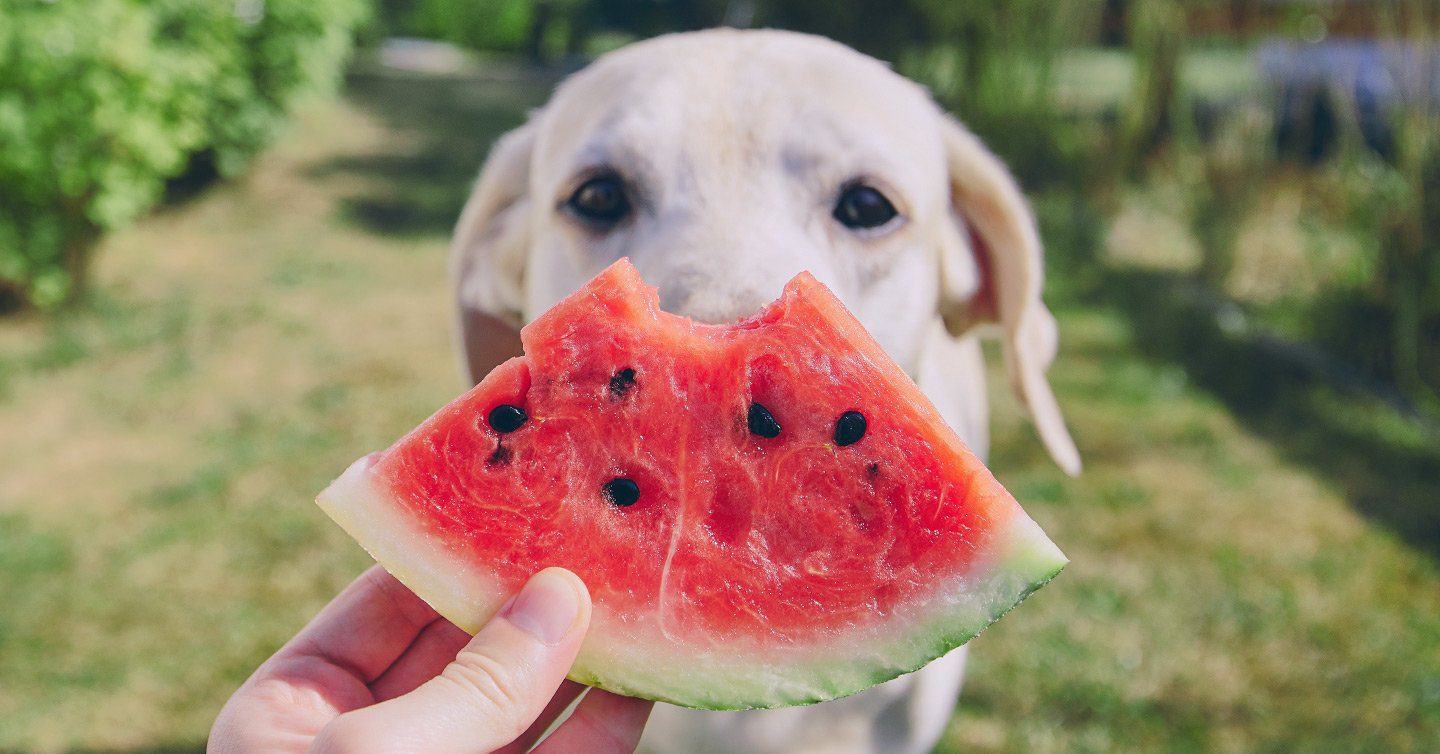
735,146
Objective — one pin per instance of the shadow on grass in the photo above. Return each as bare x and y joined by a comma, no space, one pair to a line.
1350,433
447,124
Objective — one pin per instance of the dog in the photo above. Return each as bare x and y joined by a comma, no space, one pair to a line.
722,163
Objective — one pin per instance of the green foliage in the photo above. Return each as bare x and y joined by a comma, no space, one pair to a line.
491,25
1386,314
101,101
1156,111
996,67
542,30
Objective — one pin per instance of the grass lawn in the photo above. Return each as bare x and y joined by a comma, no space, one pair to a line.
163,444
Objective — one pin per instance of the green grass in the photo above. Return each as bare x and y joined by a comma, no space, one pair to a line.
1220,596
1231,588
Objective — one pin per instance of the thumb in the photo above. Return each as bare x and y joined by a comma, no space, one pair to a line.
493,690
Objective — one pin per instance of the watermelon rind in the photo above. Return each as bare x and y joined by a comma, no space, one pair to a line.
641,658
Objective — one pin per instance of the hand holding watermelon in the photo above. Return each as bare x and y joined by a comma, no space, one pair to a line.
379,670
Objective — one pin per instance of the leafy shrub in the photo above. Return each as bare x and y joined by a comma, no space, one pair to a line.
101,101
491,25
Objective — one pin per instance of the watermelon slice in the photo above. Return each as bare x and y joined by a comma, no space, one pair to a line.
767,513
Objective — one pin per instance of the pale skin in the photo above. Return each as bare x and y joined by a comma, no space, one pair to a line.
378,670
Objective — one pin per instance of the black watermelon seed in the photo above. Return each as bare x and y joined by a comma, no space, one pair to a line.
499,457
506,418
622,492
849,428
621,382
762,422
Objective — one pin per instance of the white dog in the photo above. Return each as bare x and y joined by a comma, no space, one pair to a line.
723,163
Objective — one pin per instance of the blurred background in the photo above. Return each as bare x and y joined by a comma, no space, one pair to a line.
223,226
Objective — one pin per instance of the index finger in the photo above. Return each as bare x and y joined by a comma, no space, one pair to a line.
603,723
364,629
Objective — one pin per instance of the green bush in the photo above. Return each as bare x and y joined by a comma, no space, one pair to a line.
102,101
490,25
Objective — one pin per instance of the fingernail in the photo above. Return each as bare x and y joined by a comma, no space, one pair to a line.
547,607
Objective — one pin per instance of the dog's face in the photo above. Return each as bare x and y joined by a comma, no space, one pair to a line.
722,163
725,171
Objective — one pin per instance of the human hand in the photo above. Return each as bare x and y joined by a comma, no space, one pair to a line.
378,670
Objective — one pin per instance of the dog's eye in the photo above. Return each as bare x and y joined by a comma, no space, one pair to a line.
600,201
862,206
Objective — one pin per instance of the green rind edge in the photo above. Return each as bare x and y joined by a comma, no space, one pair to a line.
1021,560
1040,557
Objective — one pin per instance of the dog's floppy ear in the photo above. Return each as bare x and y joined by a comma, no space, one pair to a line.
488,256
991,274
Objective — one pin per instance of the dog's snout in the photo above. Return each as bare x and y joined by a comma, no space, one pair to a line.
716,305
721,288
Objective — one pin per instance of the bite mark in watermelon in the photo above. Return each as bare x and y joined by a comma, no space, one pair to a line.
732,565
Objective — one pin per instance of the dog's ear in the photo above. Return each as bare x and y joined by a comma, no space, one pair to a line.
991,274
488,256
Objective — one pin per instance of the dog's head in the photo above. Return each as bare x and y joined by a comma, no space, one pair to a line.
725,162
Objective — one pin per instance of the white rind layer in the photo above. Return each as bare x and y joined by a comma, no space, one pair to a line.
639,658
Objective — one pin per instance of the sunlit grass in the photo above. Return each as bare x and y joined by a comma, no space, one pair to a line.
1218,598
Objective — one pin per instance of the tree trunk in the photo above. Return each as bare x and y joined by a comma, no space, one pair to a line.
739,14
539,26
1114,23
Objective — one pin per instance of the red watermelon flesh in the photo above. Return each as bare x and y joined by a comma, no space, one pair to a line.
750,570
